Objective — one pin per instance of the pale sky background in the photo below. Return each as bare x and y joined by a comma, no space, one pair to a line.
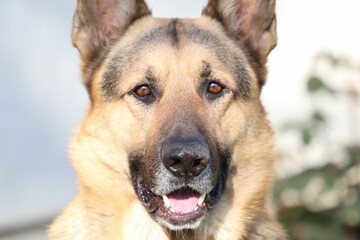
42,100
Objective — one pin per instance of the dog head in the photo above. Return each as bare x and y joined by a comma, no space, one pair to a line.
175,121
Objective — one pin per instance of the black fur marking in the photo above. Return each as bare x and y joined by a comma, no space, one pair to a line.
242,77
206,72
150,76
174,33
111,77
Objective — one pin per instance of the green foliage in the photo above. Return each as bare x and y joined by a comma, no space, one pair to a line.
318,117
306,136
323,203
315,84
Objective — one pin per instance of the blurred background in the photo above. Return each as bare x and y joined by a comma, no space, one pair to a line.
312,97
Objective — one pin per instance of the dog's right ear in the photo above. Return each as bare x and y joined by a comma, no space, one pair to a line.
252,22
97,23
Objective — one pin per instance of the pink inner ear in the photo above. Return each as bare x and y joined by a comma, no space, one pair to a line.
244,17
105,23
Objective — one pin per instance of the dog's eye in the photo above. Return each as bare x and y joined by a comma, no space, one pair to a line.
143,93
215,88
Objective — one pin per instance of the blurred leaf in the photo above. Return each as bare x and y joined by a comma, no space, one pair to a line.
306,136
315,84
330,173
349,215
318,117
353,156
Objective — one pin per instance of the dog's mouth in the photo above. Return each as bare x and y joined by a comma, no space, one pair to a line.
184,208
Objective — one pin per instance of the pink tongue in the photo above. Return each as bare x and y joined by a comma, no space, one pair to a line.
183,201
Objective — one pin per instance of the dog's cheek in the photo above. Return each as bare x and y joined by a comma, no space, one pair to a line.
231,125
144,165
143,148
126,128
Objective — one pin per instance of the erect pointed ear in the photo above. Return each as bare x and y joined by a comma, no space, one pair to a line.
251,21
97,23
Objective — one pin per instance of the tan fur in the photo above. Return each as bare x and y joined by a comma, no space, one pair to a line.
106,206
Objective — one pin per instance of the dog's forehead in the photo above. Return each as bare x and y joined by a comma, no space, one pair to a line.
152,40
176,32
151,33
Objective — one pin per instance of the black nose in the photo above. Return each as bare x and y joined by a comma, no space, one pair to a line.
185,157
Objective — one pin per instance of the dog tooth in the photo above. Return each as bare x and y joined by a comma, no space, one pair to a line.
166,201
201,199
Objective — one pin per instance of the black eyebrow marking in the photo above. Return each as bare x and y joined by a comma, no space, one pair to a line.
206,72
150,76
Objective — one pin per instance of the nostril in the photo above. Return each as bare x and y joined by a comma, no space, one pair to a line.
200,162
174,165
199,165
196,162
170,162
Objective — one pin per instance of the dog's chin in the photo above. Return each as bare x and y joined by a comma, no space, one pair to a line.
183,208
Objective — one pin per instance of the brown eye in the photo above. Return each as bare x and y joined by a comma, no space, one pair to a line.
142,91
215,88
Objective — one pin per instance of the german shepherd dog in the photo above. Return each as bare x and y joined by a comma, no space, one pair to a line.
175,143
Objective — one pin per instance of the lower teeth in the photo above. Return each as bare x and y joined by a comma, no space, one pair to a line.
166,201
201,199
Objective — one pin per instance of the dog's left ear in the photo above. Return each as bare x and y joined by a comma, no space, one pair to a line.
250,21
98,23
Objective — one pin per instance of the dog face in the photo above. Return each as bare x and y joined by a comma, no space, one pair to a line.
175,121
